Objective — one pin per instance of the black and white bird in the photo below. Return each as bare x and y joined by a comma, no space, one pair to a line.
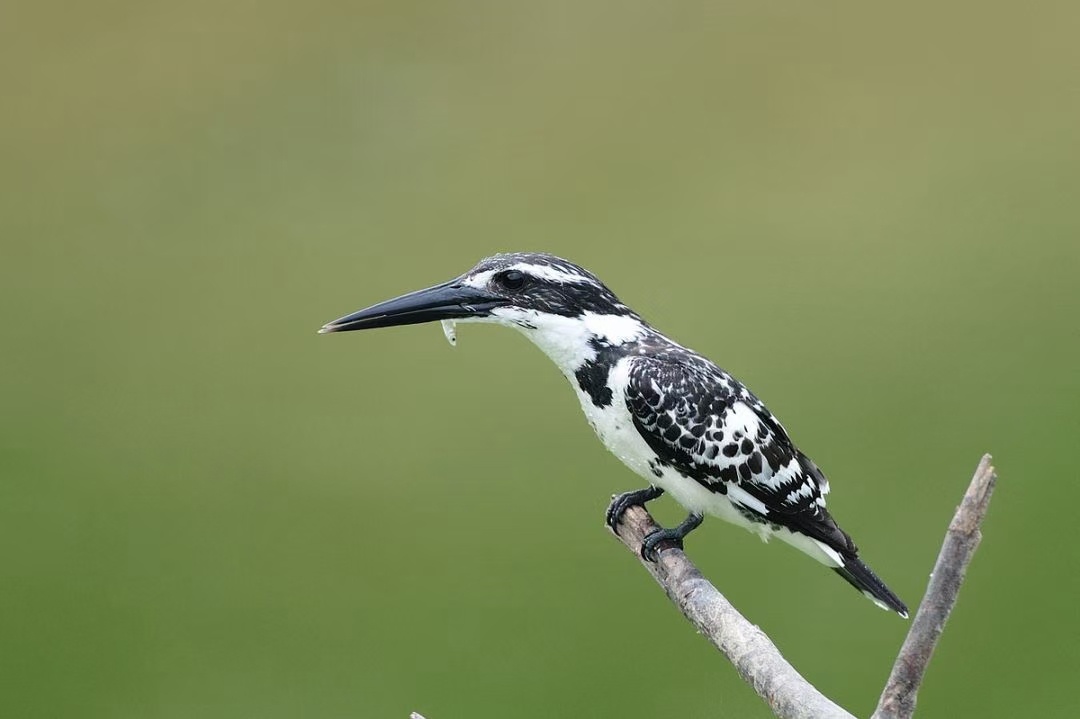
685,425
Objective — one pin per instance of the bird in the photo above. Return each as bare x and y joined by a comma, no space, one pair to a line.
671,415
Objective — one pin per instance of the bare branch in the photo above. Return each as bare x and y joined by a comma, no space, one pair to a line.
898,699
755,657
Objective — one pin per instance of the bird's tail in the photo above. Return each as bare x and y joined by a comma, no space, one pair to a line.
863,578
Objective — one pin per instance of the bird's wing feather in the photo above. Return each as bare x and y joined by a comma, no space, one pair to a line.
709,427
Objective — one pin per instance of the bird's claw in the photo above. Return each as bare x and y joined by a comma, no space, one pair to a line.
650,545
616,509
622,502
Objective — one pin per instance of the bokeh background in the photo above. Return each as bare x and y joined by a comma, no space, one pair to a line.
869,214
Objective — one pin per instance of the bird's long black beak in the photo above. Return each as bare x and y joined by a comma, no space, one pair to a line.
448,301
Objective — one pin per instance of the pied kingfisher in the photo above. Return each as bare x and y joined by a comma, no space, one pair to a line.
685,425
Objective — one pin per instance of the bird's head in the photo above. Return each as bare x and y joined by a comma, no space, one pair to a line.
556,303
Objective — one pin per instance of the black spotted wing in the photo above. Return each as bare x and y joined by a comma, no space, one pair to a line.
704,424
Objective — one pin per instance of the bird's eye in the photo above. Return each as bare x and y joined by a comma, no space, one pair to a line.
511,279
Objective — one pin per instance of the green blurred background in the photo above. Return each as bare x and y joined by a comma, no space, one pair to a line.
869,214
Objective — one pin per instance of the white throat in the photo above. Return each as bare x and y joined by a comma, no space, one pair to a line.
568,340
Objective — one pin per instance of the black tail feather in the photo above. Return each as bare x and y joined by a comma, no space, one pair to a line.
863,578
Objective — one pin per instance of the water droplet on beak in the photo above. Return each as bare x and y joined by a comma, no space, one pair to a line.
449,331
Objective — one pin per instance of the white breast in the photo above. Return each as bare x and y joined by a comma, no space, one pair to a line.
613,424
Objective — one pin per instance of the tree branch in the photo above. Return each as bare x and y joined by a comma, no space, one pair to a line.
755,657
898,699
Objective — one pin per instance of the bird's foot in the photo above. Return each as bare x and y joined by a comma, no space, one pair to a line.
650,546
622,502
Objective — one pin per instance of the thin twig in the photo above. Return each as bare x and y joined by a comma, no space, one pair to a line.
898,699
755,657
